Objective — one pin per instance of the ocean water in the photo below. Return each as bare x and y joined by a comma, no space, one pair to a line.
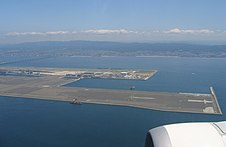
30,122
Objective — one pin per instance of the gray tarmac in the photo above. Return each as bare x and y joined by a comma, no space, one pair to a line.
50,88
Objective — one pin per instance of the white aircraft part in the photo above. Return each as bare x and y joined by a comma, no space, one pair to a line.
190,135
194,135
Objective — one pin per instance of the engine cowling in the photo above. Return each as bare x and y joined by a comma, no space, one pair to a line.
207,134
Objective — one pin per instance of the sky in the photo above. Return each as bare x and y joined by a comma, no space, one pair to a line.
198,21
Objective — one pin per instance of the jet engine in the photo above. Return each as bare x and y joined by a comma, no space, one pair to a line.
205,134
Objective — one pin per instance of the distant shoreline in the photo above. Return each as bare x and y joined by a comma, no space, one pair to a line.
109,49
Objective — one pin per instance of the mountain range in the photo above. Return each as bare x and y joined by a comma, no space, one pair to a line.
104,48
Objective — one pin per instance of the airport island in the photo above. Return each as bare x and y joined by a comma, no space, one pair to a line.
48,83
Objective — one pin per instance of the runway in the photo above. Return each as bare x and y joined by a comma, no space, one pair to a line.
50,88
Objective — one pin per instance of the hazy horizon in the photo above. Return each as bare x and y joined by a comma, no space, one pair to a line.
113,20
140,42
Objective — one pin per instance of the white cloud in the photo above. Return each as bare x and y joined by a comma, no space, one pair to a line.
36,33
106,31
21,33
188,31
110,32
57,33
92,31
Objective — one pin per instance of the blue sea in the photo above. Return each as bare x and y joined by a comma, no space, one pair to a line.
40,123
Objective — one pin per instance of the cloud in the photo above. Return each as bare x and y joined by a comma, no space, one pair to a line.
188,31
105,31
57,33
117,31
92,31
21,33
36,33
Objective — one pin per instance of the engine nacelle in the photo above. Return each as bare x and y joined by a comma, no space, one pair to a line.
188,135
